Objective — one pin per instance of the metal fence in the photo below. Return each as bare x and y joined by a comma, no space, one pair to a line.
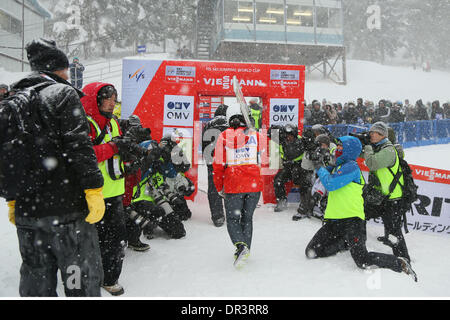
409,134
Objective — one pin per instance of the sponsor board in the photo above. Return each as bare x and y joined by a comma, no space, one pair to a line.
180,74
178,111
283,111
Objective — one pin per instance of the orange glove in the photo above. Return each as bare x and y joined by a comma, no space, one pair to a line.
96,205
11,215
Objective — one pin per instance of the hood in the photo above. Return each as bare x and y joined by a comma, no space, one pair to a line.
89,102
351,149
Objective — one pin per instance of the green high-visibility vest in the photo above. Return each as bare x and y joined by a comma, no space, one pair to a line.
300,157
346,202
385,177
139,191
111,169
256,115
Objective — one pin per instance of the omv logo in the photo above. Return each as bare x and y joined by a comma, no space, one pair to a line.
139,74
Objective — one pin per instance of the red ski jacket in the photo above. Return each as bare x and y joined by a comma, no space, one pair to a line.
89,101
236,165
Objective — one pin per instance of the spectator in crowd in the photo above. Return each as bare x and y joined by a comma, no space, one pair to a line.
317,116
360,108
76,73
422,113
396,114
437,113
446,107
411,113
383,112
307,112
369,116
340,113
350,115
330,113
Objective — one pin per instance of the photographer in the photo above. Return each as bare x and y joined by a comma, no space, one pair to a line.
382,198
111,150
133,130
174,161
344,221
291,152
326,151
152,204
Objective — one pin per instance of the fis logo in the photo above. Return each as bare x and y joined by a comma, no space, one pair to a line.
139,74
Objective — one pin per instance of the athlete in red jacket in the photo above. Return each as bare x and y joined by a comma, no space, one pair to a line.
237,177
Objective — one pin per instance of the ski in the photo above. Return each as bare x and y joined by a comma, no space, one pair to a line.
241,99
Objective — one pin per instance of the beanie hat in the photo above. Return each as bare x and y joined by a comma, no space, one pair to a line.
323,138
43,55
105,92
380,127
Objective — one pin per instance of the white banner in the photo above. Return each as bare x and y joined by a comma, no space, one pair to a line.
178,111
283,111
431,212
136,76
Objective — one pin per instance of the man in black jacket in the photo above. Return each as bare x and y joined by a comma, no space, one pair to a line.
291,150
55,224
210,134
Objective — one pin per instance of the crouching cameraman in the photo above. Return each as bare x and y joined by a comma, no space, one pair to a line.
325,151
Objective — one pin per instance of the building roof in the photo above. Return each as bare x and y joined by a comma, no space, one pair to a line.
39,8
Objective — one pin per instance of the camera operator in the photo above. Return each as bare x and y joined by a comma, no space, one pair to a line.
150,206
175,161
325,150
292,151
133,130
382,159
111,150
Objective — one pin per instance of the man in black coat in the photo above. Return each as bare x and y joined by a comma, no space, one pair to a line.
318,116
55,224
76,73
210,133
422,113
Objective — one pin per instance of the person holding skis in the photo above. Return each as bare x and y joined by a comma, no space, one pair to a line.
344,221
237,176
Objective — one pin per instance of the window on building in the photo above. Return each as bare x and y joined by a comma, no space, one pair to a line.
334,18
10,24
299,15
271,13
322,17
238,11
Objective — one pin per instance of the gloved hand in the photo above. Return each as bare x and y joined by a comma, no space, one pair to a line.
96,205
318,161
11,211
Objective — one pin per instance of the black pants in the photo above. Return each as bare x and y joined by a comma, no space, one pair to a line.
71,247
296,174
215,200
112,236
337,235
391,214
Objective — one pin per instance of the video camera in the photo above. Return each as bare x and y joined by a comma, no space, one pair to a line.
320,154
364,137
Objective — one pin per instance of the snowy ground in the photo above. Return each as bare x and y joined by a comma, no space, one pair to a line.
200,265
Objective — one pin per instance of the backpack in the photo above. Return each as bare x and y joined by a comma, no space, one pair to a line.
409,188
27,145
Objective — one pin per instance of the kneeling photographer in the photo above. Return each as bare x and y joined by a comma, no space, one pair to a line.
383,193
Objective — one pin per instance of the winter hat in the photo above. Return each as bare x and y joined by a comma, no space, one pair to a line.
380,127
323,138
43,55
221,110
4,86
105,92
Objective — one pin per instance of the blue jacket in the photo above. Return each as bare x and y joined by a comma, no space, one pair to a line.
349,171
